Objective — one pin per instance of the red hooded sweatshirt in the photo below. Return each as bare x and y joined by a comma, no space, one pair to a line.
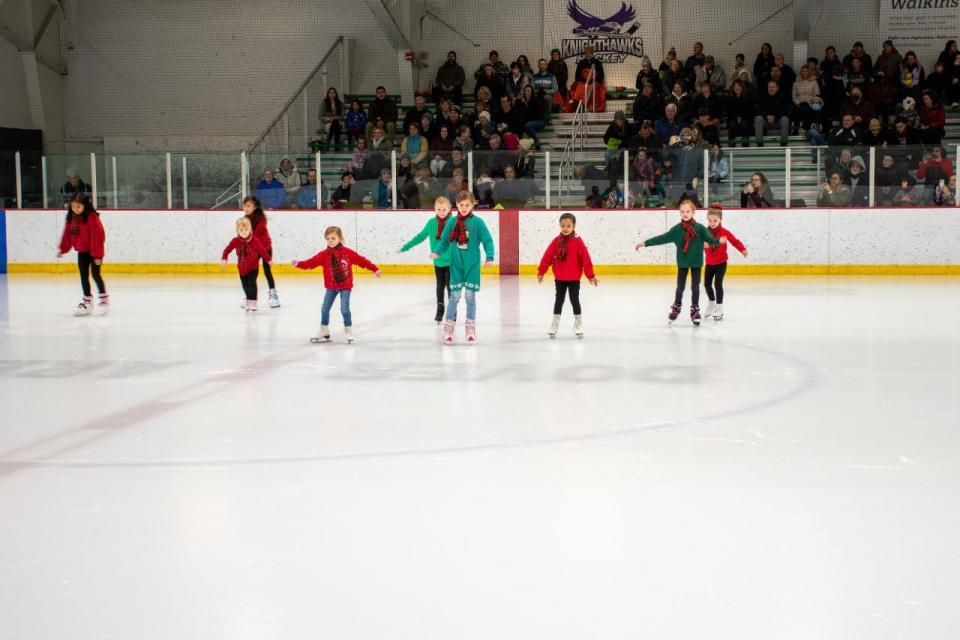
249,251
347,258
573,267
84,237
718,255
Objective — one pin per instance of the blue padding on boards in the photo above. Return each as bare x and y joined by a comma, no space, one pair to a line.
3,241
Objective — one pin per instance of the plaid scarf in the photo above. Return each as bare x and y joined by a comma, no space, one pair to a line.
561,254
74,226
441,223
336,265
459,233
689,231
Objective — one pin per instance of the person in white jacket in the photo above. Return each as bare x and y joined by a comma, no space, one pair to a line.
805,90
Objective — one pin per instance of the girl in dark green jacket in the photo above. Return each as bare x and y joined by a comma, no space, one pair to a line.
689,237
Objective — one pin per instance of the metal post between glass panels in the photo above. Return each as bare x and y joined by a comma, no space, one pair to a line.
393,179
873,176
243,175
546,183
788,166
470,172
93,178
169,182
319,184
16,160
43,180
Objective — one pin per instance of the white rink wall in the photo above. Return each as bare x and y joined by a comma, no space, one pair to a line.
774,237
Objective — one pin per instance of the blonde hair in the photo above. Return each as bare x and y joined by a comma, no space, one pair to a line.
441,200
336,230
714,210
244,222
465,196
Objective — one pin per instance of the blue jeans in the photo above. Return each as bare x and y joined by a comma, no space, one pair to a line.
328,299
533,127
454,300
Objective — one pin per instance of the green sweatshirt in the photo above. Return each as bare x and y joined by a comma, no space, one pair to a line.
429,232
693,256
465,263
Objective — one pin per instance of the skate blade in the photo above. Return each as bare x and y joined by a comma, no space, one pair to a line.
319,340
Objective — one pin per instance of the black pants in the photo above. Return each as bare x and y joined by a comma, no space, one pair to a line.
249,283
443,282
85,263
268,272
694,284
715,273
334,131
563,288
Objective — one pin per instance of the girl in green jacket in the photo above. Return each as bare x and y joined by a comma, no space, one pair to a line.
463,238
433,231
689,237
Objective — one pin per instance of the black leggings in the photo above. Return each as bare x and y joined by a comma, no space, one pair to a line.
249,282
715,273
694,284
563,287
85,263
443,282
268,272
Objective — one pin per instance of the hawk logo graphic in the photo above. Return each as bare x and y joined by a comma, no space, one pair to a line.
591,25
606,35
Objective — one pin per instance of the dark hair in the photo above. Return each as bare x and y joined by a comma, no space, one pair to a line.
493,53
568,216
257,216
514,65
451,51
381,87
87,203
525,59
686,198
330,106
356,102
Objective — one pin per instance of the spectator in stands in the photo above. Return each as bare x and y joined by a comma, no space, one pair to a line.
483,130
644,173
356,121
458,160
757,193
683,100
873,136
589,92
492,81
307,198
616,135
953,86
833,92
500,69
890,174
668,59
912,76
484,102
833,192
496,158
416,114
883,95
524,161
772,114
530,110
449,81
687,165
670,125
712,73
512,192
427,129
378,142
427,188
444,112
857,77
805,89
706,129
903,142
841,164
464,141
945,193
708,99
672,76
516,81
857,53
384,109
405,169
739,66
647,75
937,82
525,67
341,195
813,66
763,64
859,181
483,189
933,119
359,156
949,53
830,62
440,149
458,183
270,192
648,105
590,62
934,167
847,134
889,60
856,106
694,63
740,112
749,88
908,195
544,86
646,140
331,114
508,118
787,75
415,144
719,165
73,186
288,175
383,190
558,67
908,111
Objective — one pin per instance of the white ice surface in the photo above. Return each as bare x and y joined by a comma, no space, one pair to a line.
178,470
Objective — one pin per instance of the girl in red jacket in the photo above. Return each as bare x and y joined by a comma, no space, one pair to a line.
717,261
249,252
568,256
253,211
84,233
337,262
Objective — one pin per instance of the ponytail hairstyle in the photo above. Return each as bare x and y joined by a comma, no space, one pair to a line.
257,216
87,203
715,210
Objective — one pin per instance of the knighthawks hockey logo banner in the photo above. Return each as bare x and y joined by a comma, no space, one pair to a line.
611,38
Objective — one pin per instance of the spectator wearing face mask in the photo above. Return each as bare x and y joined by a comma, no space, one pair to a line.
858,107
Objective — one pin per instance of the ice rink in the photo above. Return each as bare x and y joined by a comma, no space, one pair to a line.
179,470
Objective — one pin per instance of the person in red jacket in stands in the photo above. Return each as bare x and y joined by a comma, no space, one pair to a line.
83,232
716,258
249,252
337,262
568,256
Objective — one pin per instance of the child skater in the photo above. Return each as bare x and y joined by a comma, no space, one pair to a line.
249,252
433,231
83,232
717,261
337,262
569,257
689,237
468,232
253,211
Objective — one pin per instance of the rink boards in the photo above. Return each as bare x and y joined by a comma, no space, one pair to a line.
787,241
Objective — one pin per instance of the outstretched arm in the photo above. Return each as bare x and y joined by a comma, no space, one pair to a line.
417,239
312,263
